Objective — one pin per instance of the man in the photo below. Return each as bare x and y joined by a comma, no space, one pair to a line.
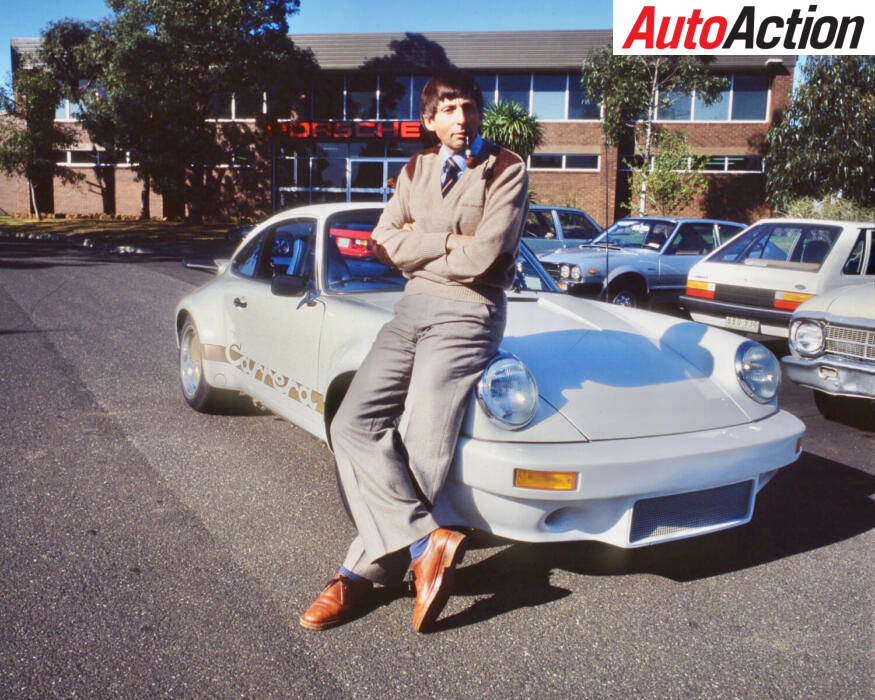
453,227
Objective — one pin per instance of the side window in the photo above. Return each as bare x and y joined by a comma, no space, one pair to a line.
856,263
727,233
577,227
692,239
292,249
540,225
245,263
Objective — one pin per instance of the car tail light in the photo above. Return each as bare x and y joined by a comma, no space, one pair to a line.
701,289
790,300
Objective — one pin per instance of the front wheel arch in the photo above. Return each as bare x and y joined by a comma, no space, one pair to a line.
333,398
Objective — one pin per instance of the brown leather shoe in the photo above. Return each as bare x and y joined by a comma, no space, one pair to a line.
339,602
433,575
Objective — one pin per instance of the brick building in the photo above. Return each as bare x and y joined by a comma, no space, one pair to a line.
351,135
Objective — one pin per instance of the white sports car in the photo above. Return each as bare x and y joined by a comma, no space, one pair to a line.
594,422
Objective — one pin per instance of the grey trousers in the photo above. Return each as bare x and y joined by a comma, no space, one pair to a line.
395,433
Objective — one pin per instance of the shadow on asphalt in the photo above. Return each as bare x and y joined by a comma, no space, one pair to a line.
811,504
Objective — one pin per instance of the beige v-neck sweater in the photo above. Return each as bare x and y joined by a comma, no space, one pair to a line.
489,202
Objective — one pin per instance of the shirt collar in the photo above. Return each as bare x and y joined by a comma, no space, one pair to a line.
459,158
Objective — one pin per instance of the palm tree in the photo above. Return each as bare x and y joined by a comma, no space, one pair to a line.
510,125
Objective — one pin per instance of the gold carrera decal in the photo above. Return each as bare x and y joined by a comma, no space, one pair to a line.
279,382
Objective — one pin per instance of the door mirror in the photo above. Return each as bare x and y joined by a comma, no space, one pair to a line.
288,285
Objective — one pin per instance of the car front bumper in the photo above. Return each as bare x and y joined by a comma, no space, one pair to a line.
832,374
628,493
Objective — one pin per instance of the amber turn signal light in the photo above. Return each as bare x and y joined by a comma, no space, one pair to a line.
551,481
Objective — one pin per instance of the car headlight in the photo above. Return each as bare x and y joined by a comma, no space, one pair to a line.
565,271
507,392
758,371
806,337
575,272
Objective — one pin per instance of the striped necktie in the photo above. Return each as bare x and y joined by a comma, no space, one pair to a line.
449,175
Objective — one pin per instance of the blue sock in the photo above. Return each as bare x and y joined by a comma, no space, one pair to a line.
418,547
350,575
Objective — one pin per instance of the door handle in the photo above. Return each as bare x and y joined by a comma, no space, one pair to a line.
239,303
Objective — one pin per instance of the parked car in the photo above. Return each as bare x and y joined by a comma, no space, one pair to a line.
551,228
638,259
593,422
755,282
832,341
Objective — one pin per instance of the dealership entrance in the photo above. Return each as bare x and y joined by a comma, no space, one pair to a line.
340,161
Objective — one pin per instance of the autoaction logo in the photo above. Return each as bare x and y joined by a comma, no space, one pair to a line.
735,28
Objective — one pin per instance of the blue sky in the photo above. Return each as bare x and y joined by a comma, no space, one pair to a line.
28,18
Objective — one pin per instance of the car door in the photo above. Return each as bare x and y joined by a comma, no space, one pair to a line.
575,228
294,324
275,338
540,232
691,242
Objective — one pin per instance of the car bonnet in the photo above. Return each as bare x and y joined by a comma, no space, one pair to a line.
612,377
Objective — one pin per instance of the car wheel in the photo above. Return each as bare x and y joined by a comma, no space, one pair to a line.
830,407
625,297
195,390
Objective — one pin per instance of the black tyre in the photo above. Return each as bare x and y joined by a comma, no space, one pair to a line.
625,296
830,407
195,390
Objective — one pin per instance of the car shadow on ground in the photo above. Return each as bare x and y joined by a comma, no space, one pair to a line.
814,503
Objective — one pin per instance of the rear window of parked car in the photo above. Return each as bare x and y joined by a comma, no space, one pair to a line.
795,246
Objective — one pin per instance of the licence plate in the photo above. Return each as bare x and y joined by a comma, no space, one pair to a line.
748,325
343,242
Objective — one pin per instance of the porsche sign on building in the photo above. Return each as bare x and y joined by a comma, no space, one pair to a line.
348,139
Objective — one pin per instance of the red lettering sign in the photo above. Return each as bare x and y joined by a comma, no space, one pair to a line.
342,130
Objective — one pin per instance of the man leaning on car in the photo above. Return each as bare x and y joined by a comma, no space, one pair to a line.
453,227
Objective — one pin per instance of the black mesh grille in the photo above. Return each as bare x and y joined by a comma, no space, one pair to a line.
667,516
745,295
552,269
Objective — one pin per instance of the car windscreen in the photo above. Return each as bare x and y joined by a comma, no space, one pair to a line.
796,246
637,233
350,264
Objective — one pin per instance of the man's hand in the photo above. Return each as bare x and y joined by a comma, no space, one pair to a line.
409,226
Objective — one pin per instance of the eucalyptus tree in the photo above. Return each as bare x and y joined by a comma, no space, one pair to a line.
824,145
30,138
632,89
157,71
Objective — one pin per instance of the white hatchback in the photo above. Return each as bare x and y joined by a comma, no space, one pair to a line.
594,422
754,282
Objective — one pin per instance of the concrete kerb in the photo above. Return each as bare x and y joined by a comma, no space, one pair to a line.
206,246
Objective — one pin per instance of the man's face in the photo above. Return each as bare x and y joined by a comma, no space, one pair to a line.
453,120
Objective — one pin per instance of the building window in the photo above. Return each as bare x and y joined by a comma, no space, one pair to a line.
361,96
548,96
745,99
515,88
396,97
247,104
679,107
489,87
750,94
564,161
713,164
577,107
717,111
328,97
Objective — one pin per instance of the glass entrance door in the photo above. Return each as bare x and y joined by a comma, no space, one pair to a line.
372,179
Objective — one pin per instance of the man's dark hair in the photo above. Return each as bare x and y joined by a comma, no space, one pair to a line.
448,85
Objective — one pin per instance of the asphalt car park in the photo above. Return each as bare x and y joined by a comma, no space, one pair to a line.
148,548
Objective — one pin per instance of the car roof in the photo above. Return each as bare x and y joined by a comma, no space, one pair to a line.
825,222
550,207
681,220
